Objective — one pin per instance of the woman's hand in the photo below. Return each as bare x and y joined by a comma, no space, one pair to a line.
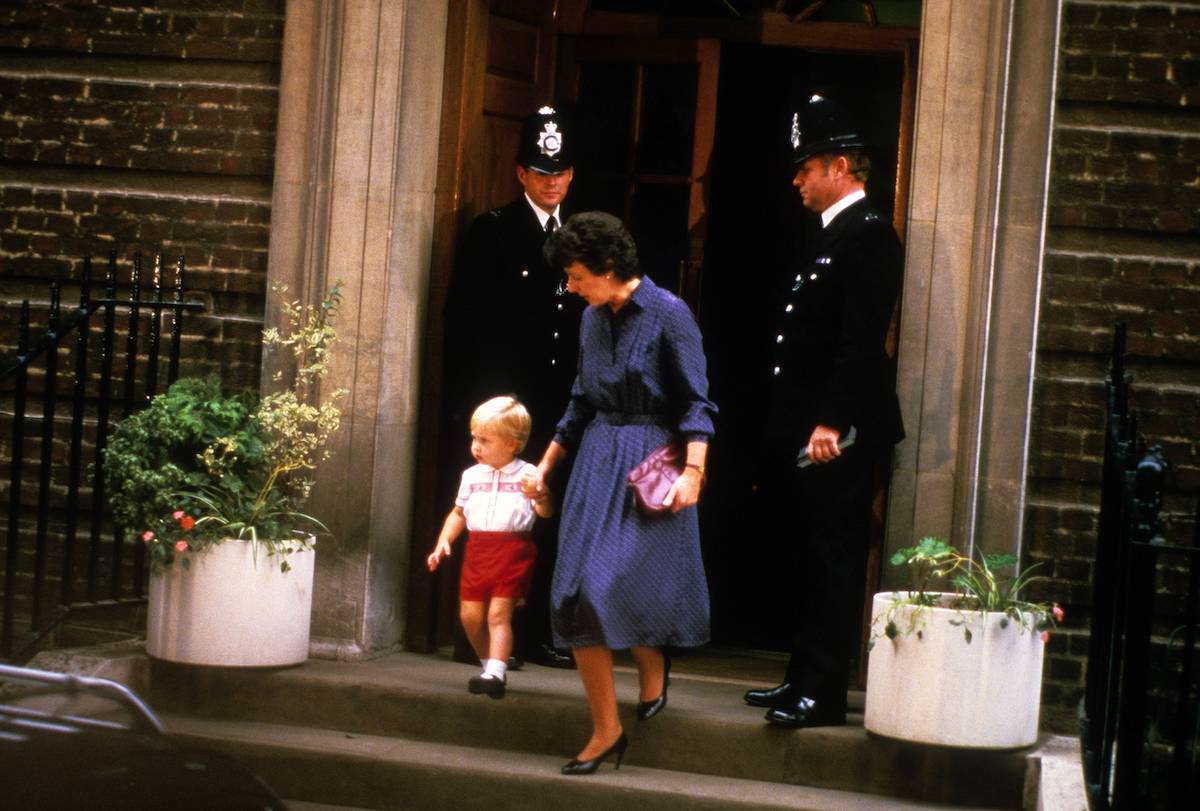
685,492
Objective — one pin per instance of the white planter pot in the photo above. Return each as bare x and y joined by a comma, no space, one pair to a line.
939,689
230,609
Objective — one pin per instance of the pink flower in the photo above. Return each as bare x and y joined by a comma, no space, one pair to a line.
1057,612
147,536
187,522
181,546
177,514
1045,636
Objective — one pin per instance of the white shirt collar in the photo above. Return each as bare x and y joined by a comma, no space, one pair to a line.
512,467
541,215
837,208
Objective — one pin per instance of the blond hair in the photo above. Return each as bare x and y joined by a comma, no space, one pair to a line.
504,415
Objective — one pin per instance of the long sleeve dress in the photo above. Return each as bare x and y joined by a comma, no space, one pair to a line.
623,578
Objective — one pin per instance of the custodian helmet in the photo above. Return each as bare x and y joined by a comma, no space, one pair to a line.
547,145
821,127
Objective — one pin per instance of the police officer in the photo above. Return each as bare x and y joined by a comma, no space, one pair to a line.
833,408
511,327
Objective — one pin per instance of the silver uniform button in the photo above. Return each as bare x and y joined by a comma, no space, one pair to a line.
778,339
524,274
556,336
777,370
560,306
788,308
553,361
813,277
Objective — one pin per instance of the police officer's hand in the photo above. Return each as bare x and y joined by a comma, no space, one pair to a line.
823,444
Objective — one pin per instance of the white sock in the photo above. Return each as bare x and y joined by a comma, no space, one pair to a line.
495,668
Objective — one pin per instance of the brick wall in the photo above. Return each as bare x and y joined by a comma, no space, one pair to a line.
147,126
1123,245
134,127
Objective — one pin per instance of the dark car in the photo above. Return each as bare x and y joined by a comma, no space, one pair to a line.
85,743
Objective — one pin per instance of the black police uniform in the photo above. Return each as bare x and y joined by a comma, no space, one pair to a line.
512,328
829,366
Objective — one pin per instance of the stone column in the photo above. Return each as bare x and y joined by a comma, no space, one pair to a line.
360,100
972,277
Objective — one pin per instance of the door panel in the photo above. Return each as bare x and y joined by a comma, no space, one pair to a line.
647,111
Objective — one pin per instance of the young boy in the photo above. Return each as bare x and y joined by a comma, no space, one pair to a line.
497,504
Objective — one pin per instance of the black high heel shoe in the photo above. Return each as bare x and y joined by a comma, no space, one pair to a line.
574,767
648,709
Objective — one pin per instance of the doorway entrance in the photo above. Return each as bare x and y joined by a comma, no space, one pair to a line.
687,141
684,135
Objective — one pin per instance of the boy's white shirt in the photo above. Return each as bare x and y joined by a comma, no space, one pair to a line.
491,498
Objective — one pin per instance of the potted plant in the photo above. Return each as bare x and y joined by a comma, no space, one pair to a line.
959,668
214,485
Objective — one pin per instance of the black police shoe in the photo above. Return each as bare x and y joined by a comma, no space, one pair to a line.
806,712
550,656
779,696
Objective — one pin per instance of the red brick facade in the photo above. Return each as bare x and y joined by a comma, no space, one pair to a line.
148,127
1123,245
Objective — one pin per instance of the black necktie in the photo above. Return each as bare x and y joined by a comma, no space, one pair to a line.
551,225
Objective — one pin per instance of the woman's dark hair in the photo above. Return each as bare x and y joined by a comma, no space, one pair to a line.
596,240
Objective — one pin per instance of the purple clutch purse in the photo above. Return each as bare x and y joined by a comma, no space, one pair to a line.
653,477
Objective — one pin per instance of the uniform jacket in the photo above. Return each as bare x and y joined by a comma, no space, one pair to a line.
511,327
829,364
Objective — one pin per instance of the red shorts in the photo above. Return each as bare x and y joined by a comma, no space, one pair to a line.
497,564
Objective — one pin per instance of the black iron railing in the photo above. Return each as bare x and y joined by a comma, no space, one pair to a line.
1140,715
30,608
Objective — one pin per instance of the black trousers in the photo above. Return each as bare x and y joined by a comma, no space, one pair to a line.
826,512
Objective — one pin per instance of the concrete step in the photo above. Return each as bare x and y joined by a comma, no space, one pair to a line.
706,729
392,772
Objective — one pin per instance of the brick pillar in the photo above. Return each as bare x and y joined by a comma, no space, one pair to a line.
360,99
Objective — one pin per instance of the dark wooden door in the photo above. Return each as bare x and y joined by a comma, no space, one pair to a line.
647,113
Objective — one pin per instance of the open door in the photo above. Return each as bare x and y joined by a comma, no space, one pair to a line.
647,110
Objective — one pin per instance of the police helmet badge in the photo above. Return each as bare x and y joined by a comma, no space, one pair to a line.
545,146
549,139
795,130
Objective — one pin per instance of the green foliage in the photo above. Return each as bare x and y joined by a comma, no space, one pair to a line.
980,585
200,464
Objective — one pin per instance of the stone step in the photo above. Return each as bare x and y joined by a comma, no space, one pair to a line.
706,729
331,767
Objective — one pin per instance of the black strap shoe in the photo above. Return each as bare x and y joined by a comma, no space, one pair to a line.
488,686
779,696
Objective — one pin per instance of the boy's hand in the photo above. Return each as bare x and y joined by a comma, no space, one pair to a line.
533,486
442,550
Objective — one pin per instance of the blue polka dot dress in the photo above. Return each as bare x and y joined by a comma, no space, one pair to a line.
622,578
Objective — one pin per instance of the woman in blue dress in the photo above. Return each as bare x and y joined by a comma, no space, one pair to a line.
624,579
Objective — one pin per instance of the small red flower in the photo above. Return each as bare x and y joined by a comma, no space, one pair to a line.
187,522
1045,636
147,536
1057,612
181,546
177,514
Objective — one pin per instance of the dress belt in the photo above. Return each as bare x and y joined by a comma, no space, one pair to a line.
621,418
